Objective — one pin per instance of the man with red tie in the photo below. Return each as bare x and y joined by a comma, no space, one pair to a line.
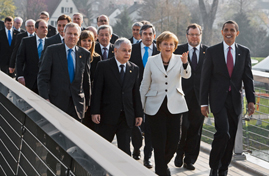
226,66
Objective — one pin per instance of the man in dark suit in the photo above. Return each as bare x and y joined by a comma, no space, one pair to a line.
17,24
45,16
116,105
103,20
104,48
29,54
135,31
30,28
7,42
78,18
227,64
192,122
64,74
2,25
140,53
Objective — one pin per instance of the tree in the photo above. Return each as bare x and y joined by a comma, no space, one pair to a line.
123,27
208,17
34,7
7,8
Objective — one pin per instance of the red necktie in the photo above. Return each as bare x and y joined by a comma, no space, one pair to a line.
230,64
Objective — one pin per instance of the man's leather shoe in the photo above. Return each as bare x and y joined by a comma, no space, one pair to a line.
136,154
223,172
213,172
148,164
189,166
178,161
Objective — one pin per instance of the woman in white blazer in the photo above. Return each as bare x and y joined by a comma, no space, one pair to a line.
163,99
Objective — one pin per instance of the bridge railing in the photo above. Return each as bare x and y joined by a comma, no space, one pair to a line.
37,138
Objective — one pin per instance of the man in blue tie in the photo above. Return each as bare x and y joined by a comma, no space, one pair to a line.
140,53
64,74
29,54
7,41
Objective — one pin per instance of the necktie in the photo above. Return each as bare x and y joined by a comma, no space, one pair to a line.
146,55
105,53
9,38
122,73
31,35
40,48
63,41
230,64
194,59
70,63
137,41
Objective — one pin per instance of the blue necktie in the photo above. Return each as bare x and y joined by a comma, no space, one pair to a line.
70,65
146,55
39,48
9,38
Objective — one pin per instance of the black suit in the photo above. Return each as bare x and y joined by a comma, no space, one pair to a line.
54,83
21,30
192,120
117,103
225,105
51,31
6,50
27,62
136,58
2,25
99,50
19,38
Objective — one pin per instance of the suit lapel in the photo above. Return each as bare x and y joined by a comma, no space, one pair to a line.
159,63
155,51
201,56
172,63
35,46
128,73
222,60
238,58
77,59
111,51
114,68
63,59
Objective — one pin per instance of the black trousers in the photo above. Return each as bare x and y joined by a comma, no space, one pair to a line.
137,138
165,132
72,111
226,122
192,124
121,130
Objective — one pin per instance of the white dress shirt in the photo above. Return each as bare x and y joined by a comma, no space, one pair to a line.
118,63
73,53
11,32
28,34
191,51
37,41
150,50
135,41
102,50
226,49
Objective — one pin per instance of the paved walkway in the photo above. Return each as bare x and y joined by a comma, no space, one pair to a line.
237,168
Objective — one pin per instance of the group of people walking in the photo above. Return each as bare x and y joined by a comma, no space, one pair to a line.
126,87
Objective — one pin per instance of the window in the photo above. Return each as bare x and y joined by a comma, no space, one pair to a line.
62,10
71,9
52,23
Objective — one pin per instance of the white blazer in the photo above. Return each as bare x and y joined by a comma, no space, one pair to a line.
158,83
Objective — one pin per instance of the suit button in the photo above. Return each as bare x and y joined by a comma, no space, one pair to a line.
166,83
166,76
122,92
165,90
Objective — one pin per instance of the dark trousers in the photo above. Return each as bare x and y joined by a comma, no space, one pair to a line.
148,142
122,131
137,138
226,122
165,132
192,124
72,111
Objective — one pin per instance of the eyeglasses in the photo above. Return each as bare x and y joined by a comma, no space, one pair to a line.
194,35
102,21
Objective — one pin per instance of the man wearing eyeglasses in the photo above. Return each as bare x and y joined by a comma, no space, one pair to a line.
103,20
192,123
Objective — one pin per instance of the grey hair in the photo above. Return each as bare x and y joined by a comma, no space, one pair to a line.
18,18
78,14
29,21
139,24
105,27
120,41
71,24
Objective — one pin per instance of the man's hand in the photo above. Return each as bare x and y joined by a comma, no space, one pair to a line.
205,111
11,70
96,118
138,121
22,80
251,108
86,108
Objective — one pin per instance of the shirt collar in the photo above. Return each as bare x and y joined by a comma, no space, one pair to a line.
150,47
30,34
227,46
66,48
11,30
118,63
107,47
37,38
191,47
61,37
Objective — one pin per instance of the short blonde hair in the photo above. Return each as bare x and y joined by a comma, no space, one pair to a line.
166,35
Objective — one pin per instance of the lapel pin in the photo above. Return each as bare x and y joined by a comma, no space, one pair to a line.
238,54
49,29
80,56
112,51
130,71
203,52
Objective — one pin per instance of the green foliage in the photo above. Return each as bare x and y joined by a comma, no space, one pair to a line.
7,8
123,27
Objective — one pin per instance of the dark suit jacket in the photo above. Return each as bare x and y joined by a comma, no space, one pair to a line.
99,50
54,83
109,95
27,61
51,31
93,64
2,25
193,83
21,31
136,57
19,38
5,49
215,80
